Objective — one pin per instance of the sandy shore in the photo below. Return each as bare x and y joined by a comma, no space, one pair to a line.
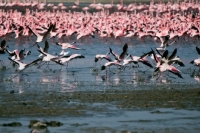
54,104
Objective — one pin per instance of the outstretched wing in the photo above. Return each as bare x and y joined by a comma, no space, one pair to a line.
173,54
114,54
165,54
75,56
32,31
46,47
13,60
34,62
198,50
124,52
48,31
155,57
178,74
146,54
3,44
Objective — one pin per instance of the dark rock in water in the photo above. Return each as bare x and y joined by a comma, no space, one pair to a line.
41,125
12,91
54,123
12,124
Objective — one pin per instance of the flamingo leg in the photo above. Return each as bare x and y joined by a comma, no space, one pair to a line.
48,65
41,64
1,62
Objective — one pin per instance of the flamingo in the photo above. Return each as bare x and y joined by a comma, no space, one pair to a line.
115,62
23,66
20,55
164,42
102,56
47,57
66,46
63,60
142,59
41,38
166,67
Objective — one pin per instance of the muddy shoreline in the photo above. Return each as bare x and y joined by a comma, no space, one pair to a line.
77,103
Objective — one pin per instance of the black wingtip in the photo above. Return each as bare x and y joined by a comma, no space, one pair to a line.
57,44
103,67
34,44
96,59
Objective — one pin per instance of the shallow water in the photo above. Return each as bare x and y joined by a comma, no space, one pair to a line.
117,120
85,70
81,77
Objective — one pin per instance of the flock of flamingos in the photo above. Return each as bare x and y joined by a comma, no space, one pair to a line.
40,22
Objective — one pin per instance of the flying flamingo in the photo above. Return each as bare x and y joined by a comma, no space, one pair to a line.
142,59
41,38
66,46
47,57
23,66
102,56
20,55
164,42
166,67
63,60
115,62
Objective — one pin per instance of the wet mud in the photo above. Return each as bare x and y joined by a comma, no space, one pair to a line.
79,103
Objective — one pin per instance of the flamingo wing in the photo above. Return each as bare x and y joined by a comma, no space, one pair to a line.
3,44
173,55
13,60
198,50
176,73
155,57
48,31
46,47
124,52
114,54
33,62
165,54
32,31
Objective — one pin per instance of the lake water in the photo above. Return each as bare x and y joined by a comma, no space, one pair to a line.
80,76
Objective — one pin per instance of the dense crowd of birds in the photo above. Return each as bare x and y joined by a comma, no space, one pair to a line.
158,20
165,22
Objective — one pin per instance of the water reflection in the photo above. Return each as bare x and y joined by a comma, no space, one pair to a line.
66,85
197,78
